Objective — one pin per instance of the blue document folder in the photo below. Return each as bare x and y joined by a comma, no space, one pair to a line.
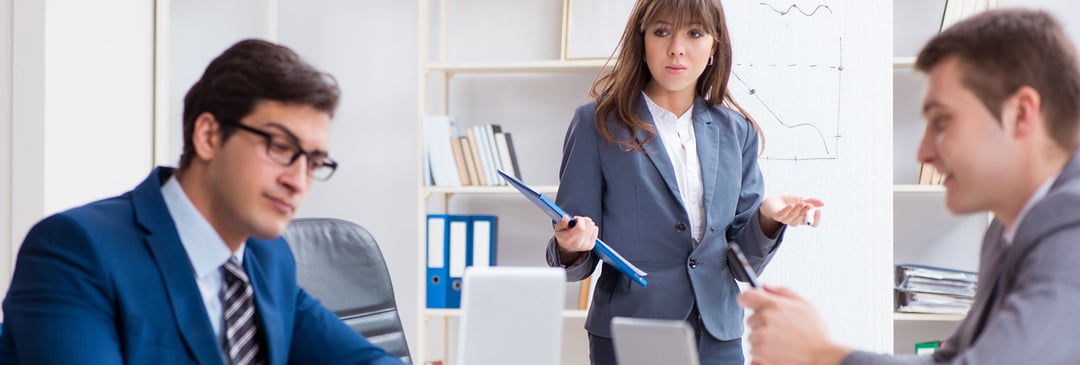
601,249
457,260
438,262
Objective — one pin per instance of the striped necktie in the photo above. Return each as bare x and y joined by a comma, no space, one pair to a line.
242,340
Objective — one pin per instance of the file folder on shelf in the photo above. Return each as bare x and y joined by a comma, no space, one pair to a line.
458,242
437,260
482,243
601,249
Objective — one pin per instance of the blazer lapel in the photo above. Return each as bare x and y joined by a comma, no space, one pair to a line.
268,308
707,136
991,265
655,150
163,242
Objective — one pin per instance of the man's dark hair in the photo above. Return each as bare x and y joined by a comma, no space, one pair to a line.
248,72
1002,50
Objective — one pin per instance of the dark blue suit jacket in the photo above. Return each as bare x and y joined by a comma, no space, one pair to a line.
110,283
634,198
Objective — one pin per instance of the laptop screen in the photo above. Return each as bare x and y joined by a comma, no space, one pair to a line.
511,315
640,341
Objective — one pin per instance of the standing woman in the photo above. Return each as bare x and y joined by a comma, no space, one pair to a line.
662,165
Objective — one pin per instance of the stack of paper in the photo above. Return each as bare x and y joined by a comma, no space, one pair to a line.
926,289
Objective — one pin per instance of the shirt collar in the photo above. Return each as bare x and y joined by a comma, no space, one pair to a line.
1040,193
204,247
665,115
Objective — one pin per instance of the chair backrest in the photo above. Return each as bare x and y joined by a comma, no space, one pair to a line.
340,264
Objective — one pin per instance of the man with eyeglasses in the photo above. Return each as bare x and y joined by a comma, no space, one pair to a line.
189,268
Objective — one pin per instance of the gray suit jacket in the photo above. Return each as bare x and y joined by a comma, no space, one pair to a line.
1027,309
634,198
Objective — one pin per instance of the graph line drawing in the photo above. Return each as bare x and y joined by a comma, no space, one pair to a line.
753,92
830,152
789,78
796,7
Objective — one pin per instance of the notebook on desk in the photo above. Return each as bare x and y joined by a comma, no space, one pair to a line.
640,341
511,315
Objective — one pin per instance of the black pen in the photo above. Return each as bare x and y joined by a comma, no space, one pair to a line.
744,264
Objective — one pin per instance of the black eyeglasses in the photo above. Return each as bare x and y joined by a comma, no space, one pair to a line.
285,150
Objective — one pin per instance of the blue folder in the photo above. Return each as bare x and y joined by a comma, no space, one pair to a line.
483,233
601,249
438,260
457,242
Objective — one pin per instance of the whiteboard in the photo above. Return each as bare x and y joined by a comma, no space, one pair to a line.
817,77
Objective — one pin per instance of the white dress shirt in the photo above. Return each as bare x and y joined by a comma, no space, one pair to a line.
206,250
677,135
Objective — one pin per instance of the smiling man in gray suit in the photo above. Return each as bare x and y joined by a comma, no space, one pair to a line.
1002,110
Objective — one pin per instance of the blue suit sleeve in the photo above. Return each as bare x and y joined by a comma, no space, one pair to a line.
746,227
58,309
319,337
581,185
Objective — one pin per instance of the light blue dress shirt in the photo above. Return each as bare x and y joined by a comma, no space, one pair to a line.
206,250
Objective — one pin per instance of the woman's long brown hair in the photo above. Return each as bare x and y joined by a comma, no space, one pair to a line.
615,92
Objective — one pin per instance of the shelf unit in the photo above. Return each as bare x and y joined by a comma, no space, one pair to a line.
448,313
924,232
439,76
427,190
516,67
923,317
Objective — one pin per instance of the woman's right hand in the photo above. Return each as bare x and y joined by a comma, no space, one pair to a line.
572,242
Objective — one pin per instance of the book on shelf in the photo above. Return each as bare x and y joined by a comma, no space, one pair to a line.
583,293
453,158
936,290
513,155
506,154
470,161
439,151
459,161
927,348
586,292
929,175
492,151
477,166
483,145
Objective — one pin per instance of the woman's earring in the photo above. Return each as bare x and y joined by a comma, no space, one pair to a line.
710,61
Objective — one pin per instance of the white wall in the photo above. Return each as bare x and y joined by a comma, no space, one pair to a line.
6,254
198,31
82,88
98,99
370,48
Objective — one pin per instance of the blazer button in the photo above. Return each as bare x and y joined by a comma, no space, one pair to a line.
680,227
693,263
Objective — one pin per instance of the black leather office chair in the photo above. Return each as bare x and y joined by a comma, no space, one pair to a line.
339,263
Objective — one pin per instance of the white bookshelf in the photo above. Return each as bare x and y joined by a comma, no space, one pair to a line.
467,85
552,66
543,189
451,313
924,232
927,317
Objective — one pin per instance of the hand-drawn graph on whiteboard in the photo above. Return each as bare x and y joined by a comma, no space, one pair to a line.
789,64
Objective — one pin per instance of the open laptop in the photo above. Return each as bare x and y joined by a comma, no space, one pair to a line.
640,341
511,315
